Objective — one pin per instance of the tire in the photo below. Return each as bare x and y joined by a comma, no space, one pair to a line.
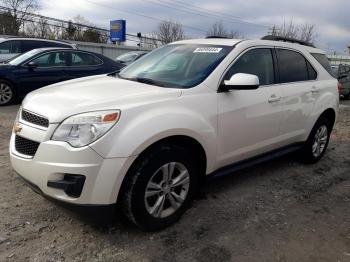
149,175
316,145
7,93
347,97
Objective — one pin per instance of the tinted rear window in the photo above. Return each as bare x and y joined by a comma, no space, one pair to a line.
323,60
292,66
28,45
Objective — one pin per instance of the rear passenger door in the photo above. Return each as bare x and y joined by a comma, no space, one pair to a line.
299,88
84,64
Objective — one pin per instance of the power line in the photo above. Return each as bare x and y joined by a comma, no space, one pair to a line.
142,15
220,14
211,15
69,22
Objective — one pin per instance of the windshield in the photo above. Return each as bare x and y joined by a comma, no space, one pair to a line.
127,57
181,66
23,57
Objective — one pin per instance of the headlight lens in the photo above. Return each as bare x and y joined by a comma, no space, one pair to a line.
83,129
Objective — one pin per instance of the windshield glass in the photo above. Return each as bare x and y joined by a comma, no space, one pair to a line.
127,57
181,66
23,57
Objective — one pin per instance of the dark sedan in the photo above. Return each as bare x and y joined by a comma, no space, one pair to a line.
45,66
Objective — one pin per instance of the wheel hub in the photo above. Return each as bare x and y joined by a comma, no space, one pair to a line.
320,141
167,189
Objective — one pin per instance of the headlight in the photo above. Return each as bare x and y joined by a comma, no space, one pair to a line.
83,129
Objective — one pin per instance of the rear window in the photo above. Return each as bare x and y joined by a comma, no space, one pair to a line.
55,44
323,60
10,47
28,45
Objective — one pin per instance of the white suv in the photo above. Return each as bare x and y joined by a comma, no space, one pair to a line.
146,137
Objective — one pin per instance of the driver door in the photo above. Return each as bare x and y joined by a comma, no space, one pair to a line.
249,120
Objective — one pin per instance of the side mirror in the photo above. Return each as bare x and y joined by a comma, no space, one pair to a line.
32,65
241,81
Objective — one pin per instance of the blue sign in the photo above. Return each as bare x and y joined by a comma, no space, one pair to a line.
118,31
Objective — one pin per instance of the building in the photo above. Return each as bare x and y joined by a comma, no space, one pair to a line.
339,59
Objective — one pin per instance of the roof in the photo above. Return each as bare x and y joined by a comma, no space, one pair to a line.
210,41
232,42
4,37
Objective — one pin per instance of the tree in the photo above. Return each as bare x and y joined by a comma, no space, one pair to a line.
8,24
17,14
305,32
40,29
218,29
91,35
168,31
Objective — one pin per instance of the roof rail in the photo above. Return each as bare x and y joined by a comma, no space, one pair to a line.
286,39
217,36
36,38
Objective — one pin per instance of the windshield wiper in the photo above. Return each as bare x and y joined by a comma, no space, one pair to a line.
146,81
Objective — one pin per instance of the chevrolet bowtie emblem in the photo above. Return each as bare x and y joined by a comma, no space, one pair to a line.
17,128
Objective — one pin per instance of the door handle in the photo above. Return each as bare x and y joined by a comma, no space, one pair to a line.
274,98
314,90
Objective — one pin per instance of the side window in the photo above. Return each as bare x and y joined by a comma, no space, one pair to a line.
10,47
84,59
311,71
257,62
292,66
323,60
55,44
28,45
53,59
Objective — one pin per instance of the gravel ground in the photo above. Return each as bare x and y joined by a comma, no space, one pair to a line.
277,211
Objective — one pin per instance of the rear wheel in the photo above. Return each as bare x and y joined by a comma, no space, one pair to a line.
160,187
7,93
317,143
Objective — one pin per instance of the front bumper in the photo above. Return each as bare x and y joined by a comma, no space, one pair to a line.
54,159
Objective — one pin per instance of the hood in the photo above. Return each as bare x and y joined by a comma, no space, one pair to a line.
64,99
4,67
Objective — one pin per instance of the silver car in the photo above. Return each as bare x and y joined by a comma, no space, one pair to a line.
14,46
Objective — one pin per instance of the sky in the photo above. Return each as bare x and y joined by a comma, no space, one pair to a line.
252,18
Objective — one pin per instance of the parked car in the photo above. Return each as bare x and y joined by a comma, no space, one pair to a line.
342,72
130,57
14,46
45,66
147,136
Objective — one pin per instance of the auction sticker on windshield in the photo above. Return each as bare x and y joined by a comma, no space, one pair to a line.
207,50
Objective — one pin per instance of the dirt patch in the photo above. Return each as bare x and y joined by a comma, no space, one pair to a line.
277,211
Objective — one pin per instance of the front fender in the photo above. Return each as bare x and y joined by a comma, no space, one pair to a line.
137,131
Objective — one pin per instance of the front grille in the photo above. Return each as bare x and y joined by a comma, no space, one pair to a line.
34,119
25,146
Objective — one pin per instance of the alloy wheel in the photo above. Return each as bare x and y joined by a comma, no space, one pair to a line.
5,93
320,141
167,190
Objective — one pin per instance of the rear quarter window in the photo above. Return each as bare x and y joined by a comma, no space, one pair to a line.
323,60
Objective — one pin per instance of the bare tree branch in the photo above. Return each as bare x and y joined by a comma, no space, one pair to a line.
169,31
218,29
305,32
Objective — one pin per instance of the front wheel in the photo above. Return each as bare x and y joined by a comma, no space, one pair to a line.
7,93
160,187
317,143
